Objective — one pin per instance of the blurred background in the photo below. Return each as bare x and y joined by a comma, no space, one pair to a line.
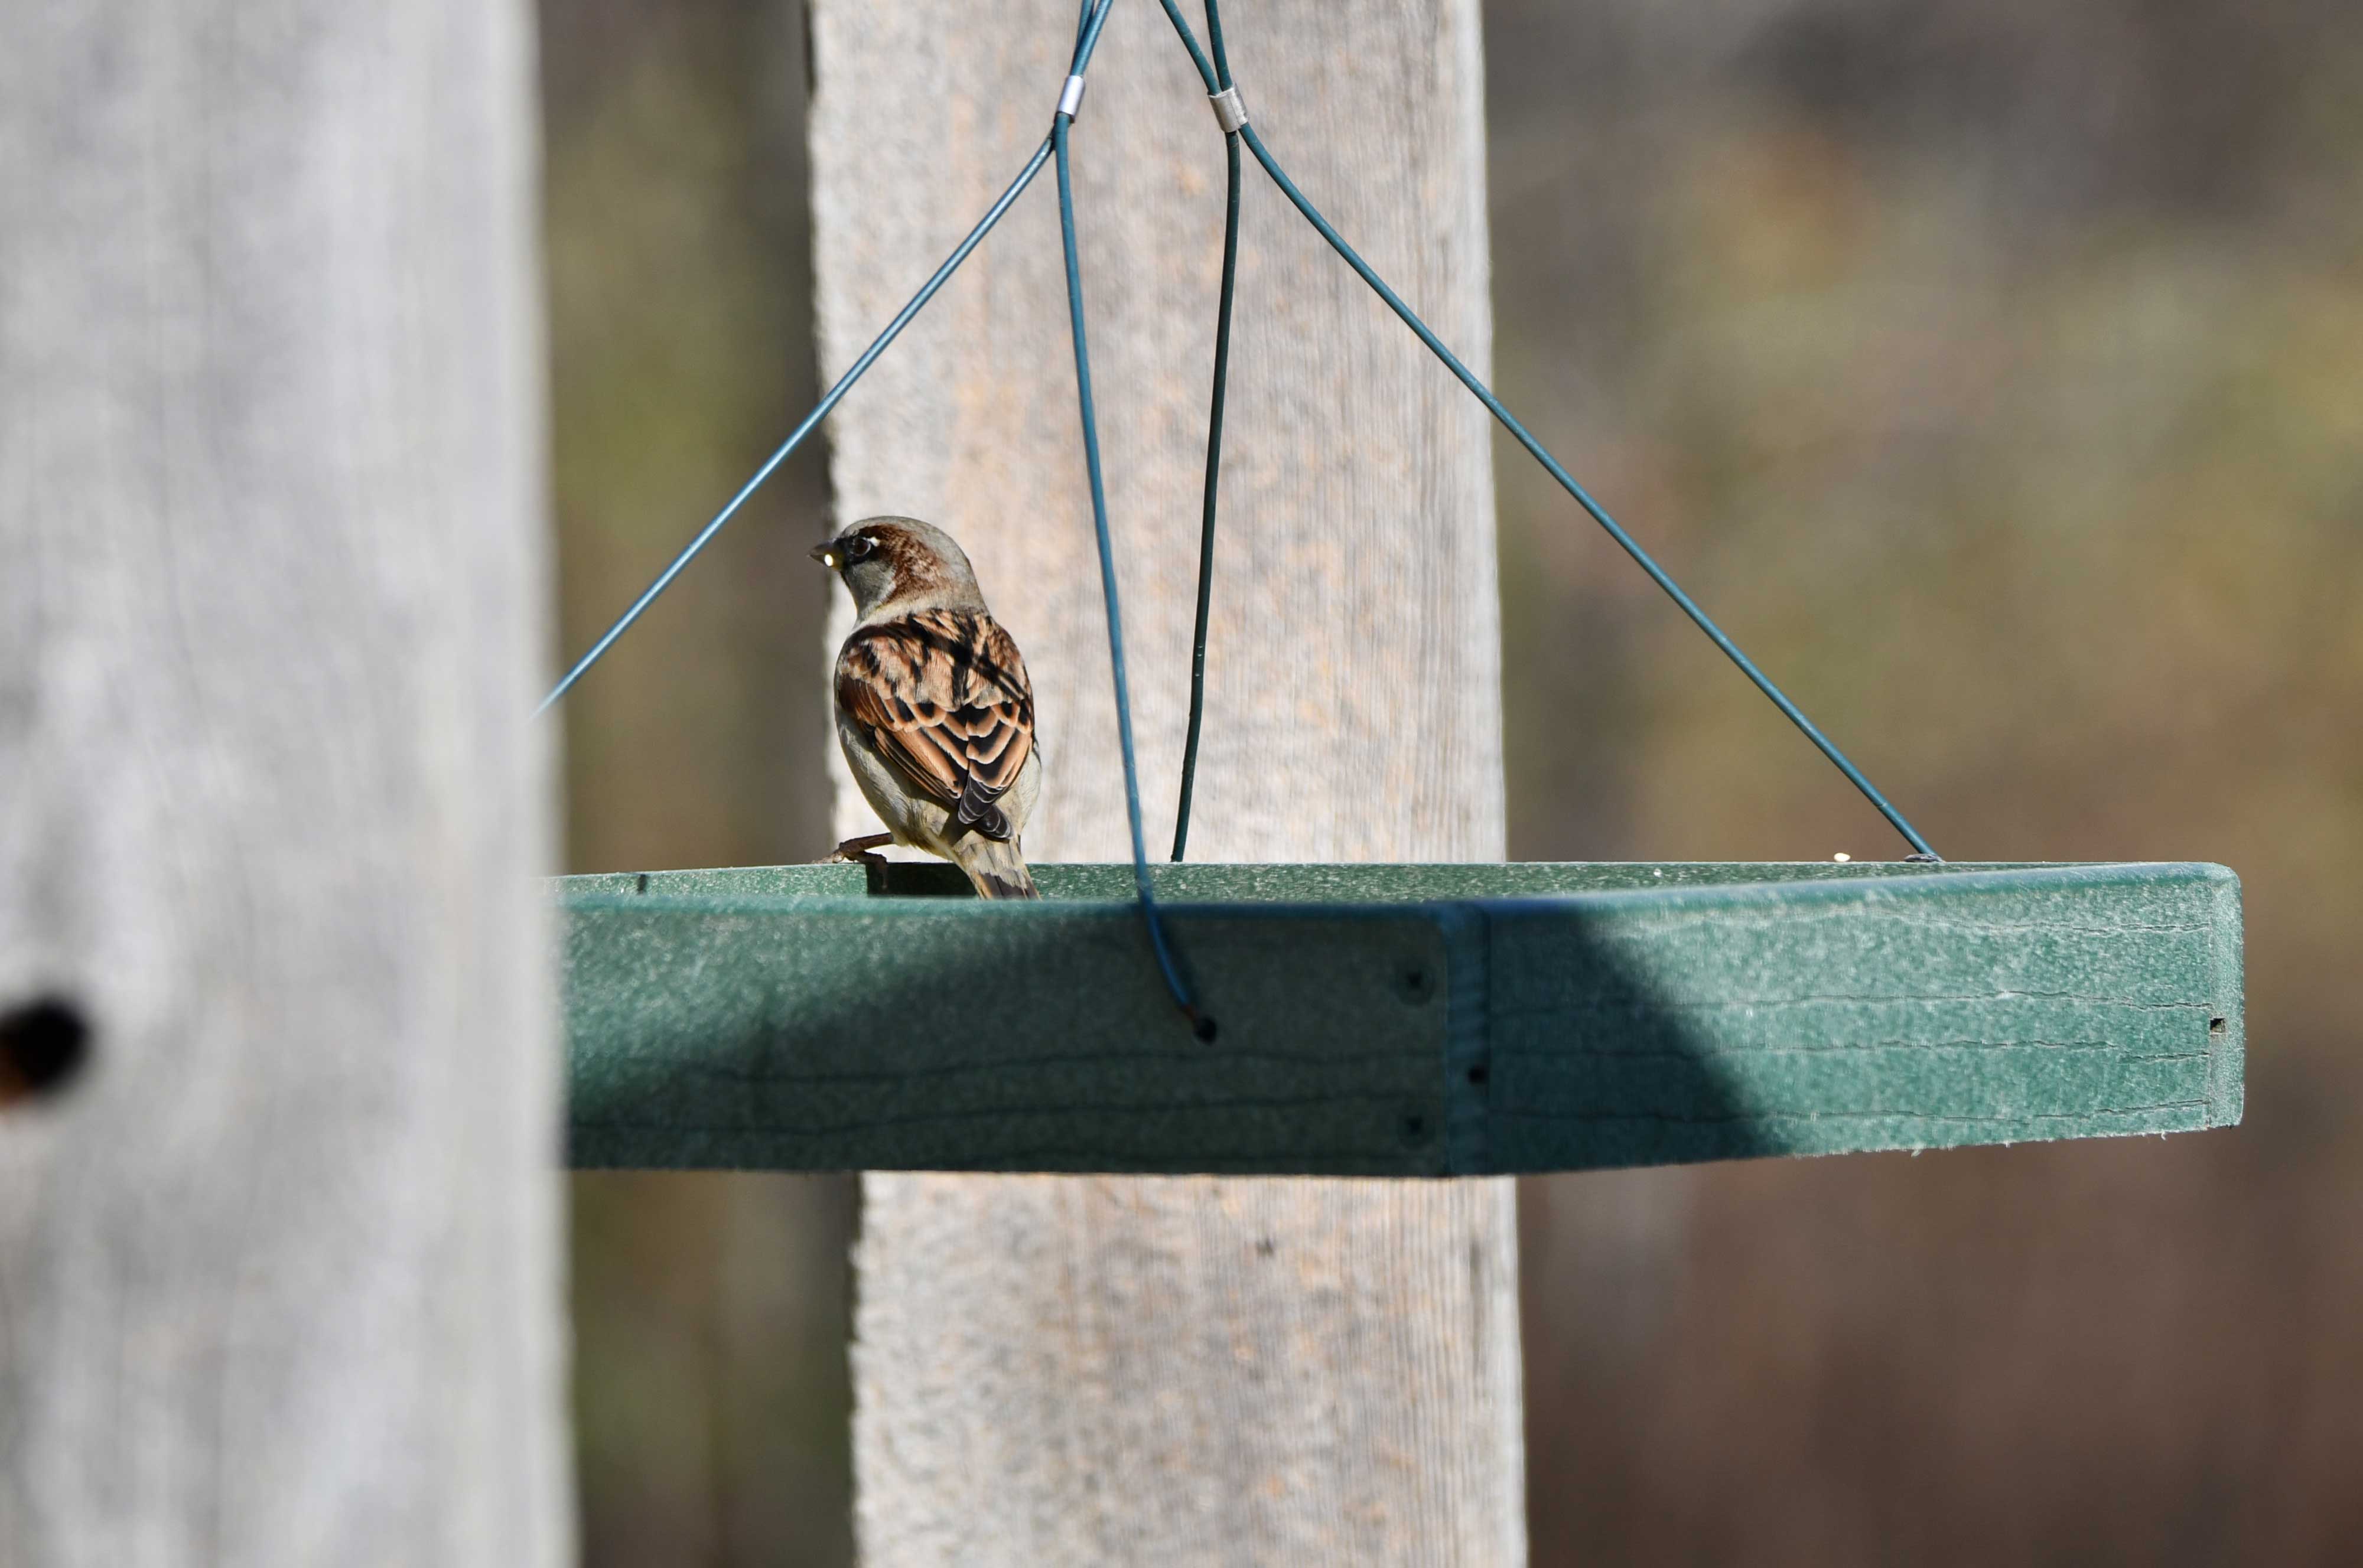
1993,368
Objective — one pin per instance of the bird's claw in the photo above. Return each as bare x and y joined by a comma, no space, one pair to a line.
862,851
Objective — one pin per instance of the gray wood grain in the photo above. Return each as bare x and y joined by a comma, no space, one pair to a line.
280,1275
1054,1371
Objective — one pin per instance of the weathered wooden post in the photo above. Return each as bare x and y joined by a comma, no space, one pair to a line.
279,1270
1056,1370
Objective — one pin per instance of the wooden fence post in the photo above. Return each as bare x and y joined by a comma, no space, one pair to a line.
279,1268
1071,1371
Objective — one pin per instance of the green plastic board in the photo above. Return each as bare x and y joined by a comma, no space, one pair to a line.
1428,1021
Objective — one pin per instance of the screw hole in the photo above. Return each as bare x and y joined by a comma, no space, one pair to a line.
1476,1074
1204,1030
42,1045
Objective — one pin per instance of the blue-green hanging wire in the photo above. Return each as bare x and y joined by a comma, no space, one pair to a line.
1201,1025
1087,39
812,421
1217,83
1214,451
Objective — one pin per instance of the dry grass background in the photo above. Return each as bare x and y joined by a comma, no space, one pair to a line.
1994,370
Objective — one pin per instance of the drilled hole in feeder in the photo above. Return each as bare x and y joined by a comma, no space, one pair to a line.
2215,1026
43,1044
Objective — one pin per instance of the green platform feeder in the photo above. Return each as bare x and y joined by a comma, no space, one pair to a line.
1405,1020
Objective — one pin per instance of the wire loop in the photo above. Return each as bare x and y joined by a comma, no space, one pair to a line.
1200,1024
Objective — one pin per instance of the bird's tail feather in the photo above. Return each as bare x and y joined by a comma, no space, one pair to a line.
995,866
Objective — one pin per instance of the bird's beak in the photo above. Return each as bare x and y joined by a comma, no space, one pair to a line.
825,552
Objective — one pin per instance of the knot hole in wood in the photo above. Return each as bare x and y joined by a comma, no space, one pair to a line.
43,1044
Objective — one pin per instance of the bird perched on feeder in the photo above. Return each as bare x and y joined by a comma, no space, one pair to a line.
932,706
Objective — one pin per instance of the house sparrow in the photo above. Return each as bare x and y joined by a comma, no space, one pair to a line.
932,706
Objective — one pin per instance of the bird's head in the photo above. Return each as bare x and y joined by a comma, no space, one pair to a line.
895,565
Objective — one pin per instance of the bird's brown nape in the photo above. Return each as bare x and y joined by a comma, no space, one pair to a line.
919,571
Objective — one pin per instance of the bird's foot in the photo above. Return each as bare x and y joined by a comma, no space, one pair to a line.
861,850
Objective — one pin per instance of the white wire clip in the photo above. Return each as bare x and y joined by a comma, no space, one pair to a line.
1230,110
1071,97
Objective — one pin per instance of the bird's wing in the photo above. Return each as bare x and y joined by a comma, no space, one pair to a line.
943,696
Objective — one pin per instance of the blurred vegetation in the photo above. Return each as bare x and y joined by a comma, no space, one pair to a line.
711,1398
1994,370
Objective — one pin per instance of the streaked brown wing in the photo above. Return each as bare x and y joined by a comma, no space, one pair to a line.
945,698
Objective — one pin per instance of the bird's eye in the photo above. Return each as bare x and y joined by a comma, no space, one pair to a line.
860,547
